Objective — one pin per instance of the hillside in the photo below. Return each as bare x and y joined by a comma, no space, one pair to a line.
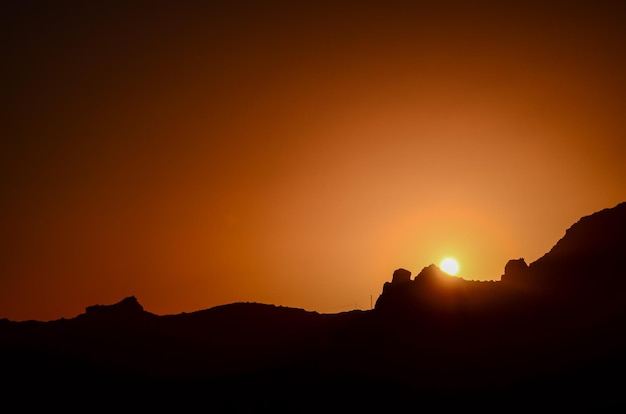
550,332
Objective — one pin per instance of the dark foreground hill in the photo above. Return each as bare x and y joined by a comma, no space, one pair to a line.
550,334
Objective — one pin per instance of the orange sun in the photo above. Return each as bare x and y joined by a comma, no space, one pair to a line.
450,266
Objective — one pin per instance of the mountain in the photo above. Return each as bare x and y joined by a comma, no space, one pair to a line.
550,333
589,256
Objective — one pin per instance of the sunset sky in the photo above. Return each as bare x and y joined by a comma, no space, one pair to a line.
195,154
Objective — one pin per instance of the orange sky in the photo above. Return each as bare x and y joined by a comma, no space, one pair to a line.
197,155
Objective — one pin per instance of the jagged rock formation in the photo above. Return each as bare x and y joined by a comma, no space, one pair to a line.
515,270
433,289
587,261
401,276
128,307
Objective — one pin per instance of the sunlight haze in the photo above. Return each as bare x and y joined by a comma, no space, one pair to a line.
197,154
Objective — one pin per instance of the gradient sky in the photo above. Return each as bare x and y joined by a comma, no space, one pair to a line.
195,154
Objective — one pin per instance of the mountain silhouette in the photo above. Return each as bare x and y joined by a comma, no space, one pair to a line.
589,257
549,334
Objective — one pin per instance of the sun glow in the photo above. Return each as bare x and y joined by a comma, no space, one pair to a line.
450,266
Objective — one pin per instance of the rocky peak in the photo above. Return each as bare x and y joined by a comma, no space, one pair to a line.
515,270
127,307
401,276
430,273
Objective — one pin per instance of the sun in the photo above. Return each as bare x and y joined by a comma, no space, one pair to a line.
450,266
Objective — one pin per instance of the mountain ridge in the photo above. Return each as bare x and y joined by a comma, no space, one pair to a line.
434,338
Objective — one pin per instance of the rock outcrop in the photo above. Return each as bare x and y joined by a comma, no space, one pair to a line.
431,288
515,270
128,309
401,276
